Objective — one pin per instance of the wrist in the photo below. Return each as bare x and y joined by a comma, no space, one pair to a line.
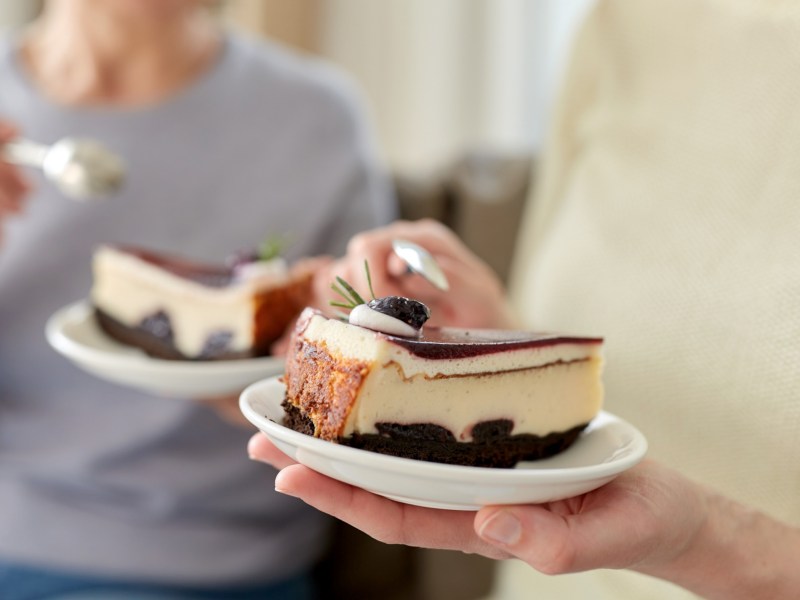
737,552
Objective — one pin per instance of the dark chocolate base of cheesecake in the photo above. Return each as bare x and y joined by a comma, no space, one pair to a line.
502,453
424,441
153,345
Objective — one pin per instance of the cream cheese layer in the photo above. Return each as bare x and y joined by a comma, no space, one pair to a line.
130,289
544,388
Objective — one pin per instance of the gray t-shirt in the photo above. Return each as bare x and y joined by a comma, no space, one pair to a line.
99,478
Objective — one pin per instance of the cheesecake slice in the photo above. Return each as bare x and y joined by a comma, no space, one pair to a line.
175,308
470,397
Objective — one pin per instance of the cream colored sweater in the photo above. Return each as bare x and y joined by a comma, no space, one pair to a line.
668,220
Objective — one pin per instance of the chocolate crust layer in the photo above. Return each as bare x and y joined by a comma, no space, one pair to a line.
494,446
152,345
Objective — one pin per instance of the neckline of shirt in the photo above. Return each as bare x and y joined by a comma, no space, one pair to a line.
175,101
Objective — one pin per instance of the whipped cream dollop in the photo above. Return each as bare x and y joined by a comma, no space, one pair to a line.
275,268
364,316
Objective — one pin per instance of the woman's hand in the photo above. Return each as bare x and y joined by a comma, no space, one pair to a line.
647,515
476,297
649,519
13,186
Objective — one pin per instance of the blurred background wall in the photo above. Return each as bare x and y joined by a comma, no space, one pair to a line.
441,76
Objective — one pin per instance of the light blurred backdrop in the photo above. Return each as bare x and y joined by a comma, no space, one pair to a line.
442,76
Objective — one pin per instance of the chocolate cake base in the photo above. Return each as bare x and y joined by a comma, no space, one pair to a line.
493,446
157,346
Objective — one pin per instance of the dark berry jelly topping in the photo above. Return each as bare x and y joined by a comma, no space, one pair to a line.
411,312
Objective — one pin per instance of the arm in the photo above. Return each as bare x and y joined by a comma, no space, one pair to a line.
739,553
650,519
13,186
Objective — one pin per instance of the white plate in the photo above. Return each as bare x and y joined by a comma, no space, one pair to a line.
74,332
605,449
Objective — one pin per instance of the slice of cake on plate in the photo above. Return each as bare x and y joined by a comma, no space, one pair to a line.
176,308
485,398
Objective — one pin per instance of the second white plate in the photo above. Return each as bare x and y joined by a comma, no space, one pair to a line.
74,332
605,449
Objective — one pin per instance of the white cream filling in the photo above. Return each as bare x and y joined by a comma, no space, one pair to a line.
364,316
542,389
538,401
130,289
261,270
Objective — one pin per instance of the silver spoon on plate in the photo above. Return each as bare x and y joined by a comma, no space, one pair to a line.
81,168
420,261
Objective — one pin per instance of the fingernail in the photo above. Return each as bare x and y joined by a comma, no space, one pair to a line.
251,443
258,459
280,489
502,528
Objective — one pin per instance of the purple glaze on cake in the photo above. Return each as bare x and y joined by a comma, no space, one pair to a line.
216,276
443,343
448,343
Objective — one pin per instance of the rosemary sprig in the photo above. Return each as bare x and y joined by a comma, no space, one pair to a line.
351,297
272,247
346,291
369,279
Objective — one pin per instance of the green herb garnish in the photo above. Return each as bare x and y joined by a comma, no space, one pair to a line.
272,247
351,297
369,279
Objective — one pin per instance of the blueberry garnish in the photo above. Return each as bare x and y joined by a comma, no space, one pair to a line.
403,313
158,325
216,343
411,312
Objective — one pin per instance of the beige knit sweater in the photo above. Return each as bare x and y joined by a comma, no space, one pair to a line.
668,220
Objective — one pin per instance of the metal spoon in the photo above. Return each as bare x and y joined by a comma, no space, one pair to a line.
81,168
421,262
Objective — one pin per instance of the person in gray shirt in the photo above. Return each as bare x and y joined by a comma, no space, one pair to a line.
226,139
